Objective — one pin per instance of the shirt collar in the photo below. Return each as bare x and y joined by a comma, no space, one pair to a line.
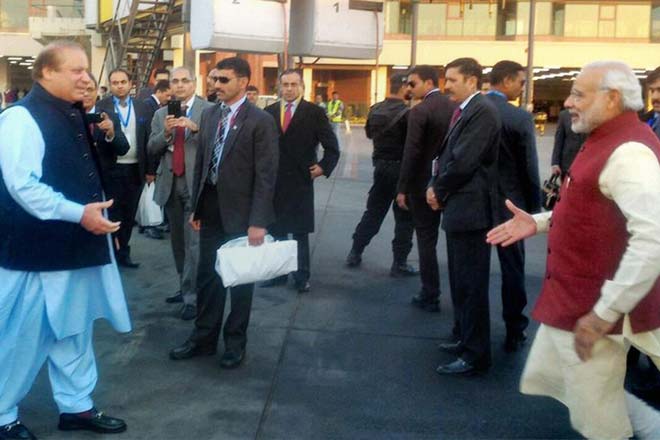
92,110
497,93
468,99
235,106
118,101
431,91
156,99
294,104
189,103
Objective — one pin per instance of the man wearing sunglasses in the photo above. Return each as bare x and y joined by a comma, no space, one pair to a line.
428,123
233,186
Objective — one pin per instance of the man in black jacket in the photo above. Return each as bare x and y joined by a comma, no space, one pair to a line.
233,187
302,126
567,144
518,179
387,124
126,179
465,188
108,138
428,123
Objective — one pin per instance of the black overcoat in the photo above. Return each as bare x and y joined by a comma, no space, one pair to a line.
294,191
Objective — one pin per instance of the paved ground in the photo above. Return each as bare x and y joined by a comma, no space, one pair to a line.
350,360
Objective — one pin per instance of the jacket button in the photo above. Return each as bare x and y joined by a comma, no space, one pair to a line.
95,195
80,135
91,174
85,156
547,277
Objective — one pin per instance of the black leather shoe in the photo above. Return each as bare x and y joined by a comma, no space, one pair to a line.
303,287
154,233
354,258
455,348
176,298
514,341
400,270
423,303
279,281
188,312
232,359
189,350
91,420
15,431
125,261
458,367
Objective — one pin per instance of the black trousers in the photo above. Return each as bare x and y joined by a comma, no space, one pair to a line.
211,294
427,224
469,270
382,195
303,273
514,294
124,186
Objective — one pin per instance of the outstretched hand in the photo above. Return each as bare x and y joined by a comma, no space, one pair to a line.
521,226
95,222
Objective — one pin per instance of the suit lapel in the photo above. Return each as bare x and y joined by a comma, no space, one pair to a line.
235,130
194,114
278,117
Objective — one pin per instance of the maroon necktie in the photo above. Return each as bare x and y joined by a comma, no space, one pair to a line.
178,156
287,117
455,116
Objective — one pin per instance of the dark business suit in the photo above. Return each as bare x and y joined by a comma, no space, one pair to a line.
125,180
518,181
108,151
242,197
466,186
294,191
153,106
428,123
567,143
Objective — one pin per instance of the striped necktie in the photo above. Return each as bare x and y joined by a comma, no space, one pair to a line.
218,144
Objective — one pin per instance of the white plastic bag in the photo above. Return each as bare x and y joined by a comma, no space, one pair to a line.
148,212
239,263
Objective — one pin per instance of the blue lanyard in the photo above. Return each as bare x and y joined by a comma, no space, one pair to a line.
498,93
125,122
651,121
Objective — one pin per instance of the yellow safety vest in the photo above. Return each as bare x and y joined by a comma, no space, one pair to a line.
333,111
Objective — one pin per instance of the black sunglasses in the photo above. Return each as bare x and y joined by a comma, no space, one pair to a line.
220,79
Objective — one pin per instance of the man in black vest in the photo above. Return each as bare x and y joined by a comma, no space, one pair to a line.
387,126
125,182
56,265
302,126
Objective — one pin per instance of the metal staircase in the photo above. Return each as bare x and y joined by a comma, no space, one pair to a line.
134,40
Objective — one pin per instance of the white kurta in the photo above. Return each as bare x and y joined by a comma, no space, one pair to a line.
593,390
48,316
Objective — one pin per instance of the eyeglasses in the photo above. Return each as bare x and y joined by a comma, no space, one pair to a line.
220,79
176,81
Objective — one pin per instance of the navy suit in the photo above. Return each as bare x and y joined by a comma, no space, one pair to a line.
518,181
466,186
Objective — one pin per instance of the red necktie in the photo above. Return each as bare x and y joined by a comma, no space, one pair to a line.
455,116
178,156
287,117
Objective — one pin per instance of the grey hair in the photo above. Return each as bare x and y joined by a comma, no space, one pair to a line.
184,68
620,77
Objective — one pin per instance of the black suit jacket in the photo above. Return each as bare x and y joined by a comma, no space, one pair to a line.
108,151
294,193
567,142
466,184
143,129
247,171
428,123
152,105
518,163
